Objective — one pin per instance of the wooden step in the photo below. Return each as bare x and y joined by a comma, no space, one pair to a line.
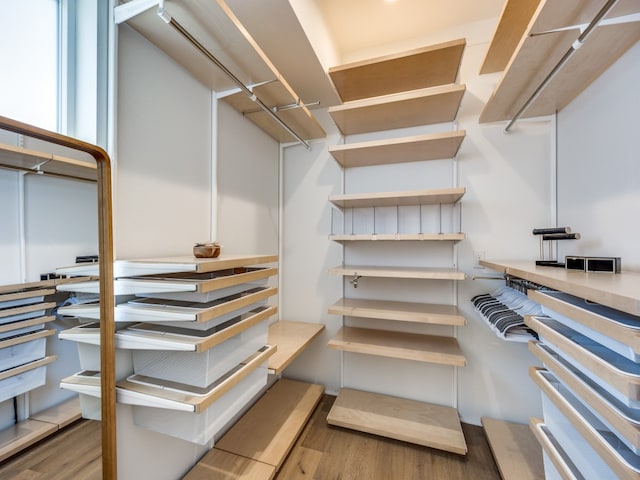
221,465
401,311
411,421
22,435
515,449
291,338
62,414
406,346
267,432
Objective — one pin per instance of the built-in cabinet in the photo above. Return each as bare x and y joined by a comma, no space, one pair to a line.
591,372
409,90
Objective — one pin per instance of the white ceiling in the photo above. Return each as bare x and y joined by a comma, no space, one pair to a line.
356,25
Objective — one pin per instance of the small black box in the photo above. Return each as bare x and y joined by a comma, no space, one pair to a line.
575,263
604,264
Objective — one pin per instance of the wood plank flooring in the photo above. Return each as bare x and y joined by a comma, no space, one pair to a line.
322,452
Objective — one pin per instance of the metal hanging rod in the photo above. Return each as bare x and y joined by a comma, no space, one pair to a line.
280,108
139,6
574,47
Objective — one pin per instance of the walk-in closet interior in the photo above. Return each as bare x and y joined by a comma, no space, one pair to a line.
228,223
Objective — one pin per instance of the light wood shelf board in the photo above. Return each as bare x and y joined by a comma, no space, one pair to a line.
220,465
423,273
415,148
401,311
402,345
18,158
27,366
411,421
7,327
20,295
515,450
17,437
514,20
28,337
444,196
420,68
275,94
62,414
269,429
19,310
426,106
554,451
204,265
393,237
620,291
537,55
291,339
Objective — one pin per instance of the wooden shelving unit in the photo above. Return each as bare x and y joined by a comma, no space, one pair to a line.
216,27
536,55
291,338
407,346
443,196
398,272
416,148
515,449
18,158
410,89
430,66
399,110
398,311
430,425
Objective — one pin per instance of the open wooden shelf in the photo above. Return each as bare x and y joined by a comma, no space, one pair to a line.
420,68
218,30
514,20
406,346
426,106
291,338
411,421
536,56
444,196
18,158
267,432
620,291
17,437
515,450
416,148
400,311
422,273
399,237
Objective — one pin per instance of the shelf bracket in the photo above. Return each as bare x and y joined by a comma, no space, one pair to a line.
126,11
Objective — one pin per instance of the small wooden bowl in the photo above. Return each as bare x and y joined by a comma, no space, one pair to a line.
206,250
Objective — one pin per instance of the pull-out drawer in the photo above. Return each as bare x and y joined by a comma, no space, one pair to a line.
557,465
179,313
608,369
23,378
190,413
23,348
618,331
596,452
618,418
15,313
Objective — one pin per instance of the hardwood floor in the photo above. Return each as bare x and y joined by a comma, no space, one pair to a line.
74,453
322,452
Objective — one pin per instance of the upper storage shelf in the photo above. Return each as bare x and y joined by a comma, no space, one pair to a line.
215,27
18,158
391,199
416,69
426,106
429,146
551,32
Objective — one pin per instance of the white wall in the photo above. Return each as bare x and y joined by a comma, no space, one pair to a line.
507,179
599,165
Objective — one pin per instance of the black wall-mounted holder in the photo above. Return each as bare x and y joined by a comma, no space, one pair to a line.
552,235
